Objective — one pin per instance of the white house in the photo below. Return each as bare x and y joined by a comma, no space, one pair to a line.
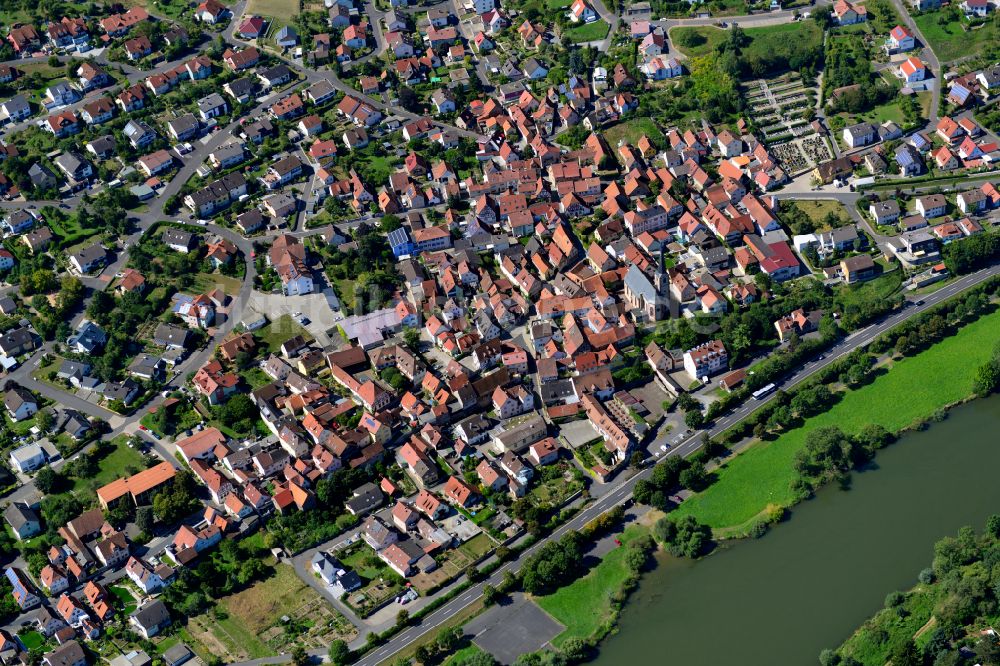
581,12
912,70
660,68
900,40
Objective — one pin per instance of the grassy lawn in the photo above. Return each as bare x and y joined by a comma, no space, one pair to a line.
950,41
818,209
912,390
697,41
633,130
589,32
556,5
112,466
585,604
32,640
126,602
459,657
879,114
278,331
284,10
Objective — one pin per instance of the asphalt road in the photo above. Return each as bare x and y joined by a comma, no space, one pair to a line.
622,491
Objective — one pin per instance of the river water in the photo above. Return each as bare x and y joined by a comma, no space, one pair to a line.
813,579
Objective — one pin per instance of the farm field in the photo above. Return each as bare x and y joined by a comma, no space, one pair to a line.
912,390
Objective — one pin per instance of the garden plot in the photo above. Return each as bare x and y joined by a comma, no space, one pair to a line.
802,154
779,107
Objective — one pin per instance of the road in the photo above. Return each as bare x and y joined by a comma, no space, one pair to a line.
622,491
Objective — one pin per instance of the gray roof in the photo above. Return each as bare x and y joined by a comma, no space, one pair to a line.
183,124
91,254
152,614
19,515
637,282
168,334
209,102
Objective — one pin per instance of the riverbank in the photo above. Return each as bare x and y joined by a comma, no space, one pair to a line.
911,391
906,392
948,609
814,579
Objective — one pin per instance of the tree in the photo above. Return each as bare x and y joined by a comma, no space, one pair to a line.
45,420
47,480
144,518
694,477
411,336
299,656
685,537
490,595
694,419
402,617
339,653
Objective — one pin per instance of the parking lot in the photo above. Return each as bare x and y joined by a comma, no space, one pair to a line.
511,630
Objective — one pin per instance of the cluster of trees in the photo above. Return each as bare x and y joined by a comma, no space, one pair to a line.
831,453
178,500
988,375
448,641
227,569
302,529
556,564
970,254
371,266
238,413
683,537
672,473
958,591
52,320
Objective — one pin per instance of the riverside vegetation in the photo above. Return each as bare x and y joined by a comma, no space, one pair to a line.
947,619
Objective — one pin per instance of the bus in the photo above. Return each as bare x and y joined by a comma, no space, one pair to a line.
762,392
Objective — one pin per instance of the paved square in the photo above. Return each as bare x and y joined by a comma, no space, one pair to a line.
507,632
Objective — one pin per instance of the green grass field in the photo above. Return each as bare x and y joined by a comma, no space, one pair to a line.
766,40
818,209
633,130
697,41
585,604
772,38
950,41
589,32
912,390
113,465
32,640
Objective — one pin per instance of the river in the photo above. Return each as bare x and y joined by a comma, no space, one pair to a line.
813,579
